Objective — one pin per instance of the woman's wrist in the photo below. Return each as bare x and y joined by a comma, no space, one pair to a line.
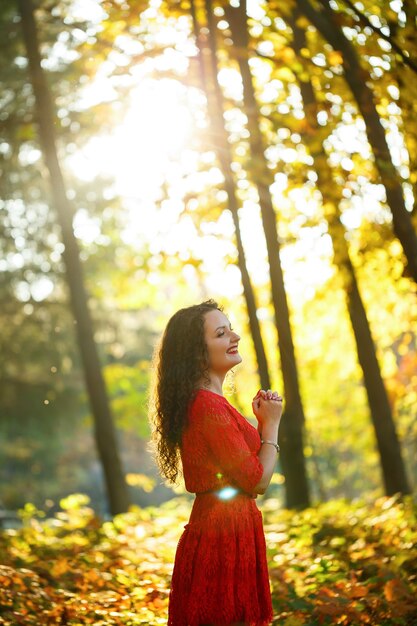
269,431
271,443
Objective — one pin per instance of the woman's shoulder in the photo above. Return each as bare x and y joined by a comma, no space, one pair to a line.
207,402
208,397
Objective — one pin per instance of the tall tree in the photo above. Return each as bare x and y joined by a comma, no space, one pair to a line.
393,470
359,82
104,428
407,101
219,133
292,454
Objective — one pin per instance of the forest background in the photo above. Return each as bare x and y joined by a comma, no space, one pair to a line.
156,154
208,150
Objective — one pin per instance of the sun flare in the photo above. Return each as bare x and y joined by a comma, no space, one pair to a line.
137,154
154,147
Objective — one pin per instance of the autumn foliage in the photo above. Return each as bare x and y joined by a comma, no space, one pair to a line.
339,563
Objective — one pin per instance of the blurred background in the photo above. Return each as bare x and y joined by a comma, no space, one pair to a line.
157,154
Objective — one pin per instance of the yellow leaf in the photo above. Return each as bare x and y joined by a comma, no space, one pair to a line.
294,621
335,58
59,567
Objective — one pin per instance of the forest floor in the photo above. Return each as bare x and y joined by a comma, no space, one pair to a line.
338,563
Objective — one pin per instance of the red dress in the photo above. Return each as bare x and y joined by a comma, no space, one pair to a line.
220,574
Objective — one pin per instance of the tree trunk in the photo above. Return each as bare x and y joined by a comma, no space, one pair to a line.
221,145
105,434
358,79
291,433
407,100
393,469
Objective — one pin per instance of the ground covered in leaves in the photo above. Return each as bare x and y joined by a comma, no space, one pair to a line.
339,563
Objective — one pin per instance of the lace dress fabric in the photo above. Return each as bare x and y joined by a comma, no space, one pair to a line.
220,573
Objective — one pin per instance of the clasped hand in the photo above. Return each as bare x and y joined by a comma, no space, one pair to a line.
267,406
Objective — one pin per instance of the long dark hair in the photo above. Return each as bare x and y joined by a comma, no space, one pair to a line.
181,362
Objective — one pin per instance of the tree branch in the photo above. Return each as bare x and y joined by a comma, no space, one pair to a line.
367,22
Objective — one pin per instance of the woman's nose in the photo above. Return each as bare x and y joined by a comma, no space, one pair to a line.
235,336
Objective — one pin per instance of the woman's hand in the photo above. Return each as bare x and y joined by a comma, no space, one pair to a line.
267,406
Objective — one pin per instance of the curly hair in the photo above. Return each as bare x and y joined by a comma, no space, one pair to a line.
181,362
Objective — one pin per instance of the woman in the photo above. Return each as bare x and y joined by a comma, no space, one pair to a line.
220,574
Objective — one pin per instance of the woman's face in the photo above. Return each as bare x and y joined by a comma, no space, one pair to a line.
221,341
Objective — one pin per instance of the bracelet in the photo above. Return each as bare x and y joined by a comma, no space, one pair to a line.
272,443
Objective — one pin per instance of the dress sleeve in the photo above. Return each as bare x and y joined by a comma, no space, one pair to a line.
228,445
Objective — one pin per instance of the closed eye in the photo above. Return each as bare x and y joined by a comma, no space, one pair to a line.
221,330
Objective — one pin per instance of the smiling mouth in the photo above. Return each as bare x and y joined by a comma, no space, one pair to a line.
233,350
